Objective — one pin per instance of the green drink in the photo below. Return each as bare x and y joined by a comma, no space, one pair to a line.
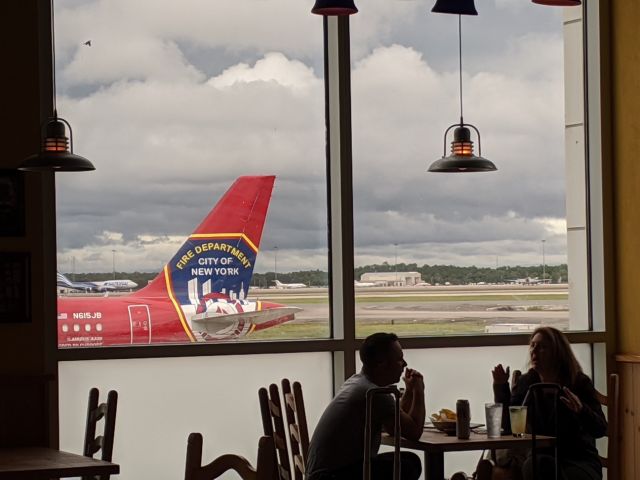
518,416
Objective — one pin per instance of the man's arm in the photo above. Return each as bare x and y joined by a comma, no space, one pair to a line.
412,408
406,400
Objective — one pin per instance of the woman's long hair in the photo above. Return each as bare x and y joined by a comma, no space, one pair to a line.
564,361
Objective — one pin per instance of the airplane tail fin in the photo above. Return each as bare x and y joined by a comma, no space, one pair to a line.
63,281
219,256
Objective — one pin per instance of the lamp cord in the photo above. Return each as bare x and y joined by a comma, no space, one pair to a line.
460,62
53,60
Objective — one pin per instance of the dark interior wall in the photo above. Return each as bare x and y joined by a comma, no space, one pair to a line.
28,366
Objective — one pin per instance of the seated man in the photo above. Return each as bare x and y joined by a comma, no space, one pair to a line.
336,449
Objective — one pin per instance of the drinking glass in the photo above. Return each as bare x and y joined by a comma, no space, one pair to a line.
518,416
493,415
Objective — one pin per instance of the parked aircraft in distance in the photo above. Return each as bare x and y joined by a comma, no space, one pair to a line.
102,286
356,283
528,281
200,295
281,285
118,285
64,282
422,284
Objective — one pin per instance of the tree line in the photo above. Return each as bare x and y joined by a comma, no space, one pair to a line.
433,274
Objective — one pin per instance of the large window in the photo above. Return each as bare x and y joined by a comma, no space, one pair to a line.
469,253
173,102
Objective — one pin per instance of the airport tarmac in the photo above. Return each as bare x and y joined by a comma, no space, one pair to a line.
488,304
513,304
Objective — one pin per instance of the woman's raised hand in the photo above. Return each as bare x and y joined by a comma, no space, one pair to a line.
500,375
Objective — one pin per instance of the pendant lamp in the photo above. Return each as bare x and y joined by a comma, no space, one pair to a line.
558,3
56,151
334,7
461,158
457,7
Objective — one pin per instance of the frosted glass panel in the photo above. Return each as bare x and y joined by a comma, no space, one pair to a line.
454,373
162,400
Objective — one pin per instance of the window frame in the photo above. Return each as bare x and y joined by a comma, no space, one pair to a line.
343,342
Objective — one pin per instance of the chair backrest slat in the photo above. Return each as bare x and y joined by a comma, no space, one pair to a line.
100,443
292,428
301,418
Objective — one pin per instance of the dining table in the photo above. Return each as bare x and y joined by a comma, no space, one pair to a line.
435,444
38,463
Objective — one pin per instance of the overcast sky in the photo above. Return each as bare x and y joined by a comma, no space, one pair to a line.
173,100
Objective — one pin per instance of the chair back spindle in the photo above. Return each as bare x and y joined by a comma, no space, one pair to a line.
273,426
100,443
296,423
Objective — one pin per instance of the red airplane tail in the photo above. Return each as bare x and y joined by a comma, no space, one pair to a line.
219,256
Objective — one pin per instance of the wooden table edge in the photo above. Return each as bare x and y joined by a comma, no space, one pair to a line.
30,470
477,443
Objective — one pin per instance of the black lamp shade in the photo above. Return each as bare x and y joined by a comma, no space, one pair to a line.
462,159
334,7
462,164
456,7
55,154
56,162
558,3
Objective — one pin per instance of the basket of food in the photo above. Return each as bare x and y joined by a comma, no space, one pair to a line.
445,421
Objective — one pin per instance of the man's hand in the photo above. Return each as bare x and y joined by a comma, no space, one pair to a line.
500,375
412,409
413,380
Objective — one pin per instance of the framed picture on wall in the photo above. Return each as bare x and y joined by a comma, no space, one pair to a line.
11,203
15,304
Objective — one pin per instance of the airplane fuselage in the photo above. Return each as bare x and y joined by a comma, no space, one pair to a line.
104,321
135,320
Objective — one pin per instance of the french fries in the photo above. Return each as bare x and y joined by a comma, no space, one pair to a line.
444,415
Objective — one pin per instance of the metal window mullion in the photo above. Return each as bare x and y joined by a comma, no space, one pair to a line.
340,191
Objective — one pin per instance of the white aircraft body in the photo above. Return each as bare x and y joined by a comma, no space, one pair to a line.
115,285
284,286
528,281
106,286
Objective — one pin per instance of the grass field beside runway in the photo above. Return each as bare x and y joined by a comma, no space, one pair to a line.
321,330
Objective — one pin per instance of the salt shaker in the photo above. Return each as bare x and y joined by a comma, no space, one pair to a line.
463,420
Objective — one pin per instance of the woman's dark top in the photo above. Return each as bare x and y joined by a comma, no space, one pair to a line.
576,431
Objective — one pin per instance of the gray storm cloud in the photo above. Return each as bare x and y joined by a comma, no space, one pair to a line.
174,104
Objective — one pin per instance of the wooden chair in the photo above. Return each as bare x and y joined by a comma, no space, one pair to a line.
273,427
612,401
104,442
289,411
298,433
194,470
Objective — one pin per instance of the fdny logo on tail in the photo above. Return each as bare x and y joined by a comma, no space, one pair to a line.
201,294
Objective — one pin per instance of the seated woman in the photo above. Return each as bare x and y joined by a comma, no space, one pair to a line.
580,417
